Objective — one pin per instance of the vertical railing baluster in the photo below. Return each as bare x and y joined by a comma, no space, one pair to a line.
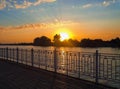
96,79
21,55
7,53
72,62
84,65
111,68
46,59
69,58
119,68
91,74
107,68
32,57
4,53
99,64
39,58
67,63
115,69
75,62
1,52
55,60
17,55
103,68
10,54
13,55
78,64
89,65
26,56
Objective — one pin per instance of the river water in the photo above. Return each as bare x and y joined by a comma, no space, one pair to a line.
76,49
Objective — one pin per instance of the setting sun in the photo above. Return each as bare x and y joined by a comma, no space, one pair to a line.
64,36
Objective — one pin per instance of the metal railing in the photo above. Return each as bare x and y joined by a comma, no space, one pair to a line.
98,67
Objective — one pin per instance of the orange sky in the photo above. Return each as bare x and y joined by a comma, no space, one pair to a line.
75,31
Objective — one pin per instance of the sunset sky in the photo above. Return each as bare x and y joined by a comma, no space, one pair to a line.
24,20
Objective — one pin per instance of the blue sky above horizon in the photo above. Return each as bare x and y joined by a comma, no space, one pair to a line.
77,16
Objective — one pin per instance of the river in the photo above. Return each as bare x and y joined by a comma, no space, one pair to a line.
76,49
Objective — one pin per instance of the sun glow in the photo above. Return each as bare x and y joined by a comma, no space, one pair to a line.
64,36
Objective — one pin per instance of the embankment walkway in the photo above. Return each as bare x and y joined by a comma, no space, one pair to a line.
19,76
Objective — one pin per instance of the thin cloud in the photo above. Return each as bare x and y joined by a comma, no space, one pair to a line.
87,6
2,4
41,1
24,5
24,27
105,3
21,4
39,26
108,2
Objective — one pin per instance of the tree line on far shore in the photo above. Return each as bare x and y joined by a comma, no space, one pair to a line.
86,42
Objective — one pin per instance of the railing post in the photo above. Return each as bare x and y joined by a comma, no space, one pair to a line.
96,61
10,53
7,53
4,52
32,56
46,59
26,56
0,53
13,55
67,63
55,60
22,55
17,55
39,57
78,64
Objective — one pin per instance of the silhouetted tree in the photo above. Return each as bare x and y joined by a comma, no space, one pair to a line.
115,42
97,43
45,41
36,41
42,41
100,43
73,42
85,43
92,43
57,40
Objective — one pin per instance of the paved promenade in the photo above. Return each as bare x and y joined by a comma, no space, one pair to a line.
18,76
